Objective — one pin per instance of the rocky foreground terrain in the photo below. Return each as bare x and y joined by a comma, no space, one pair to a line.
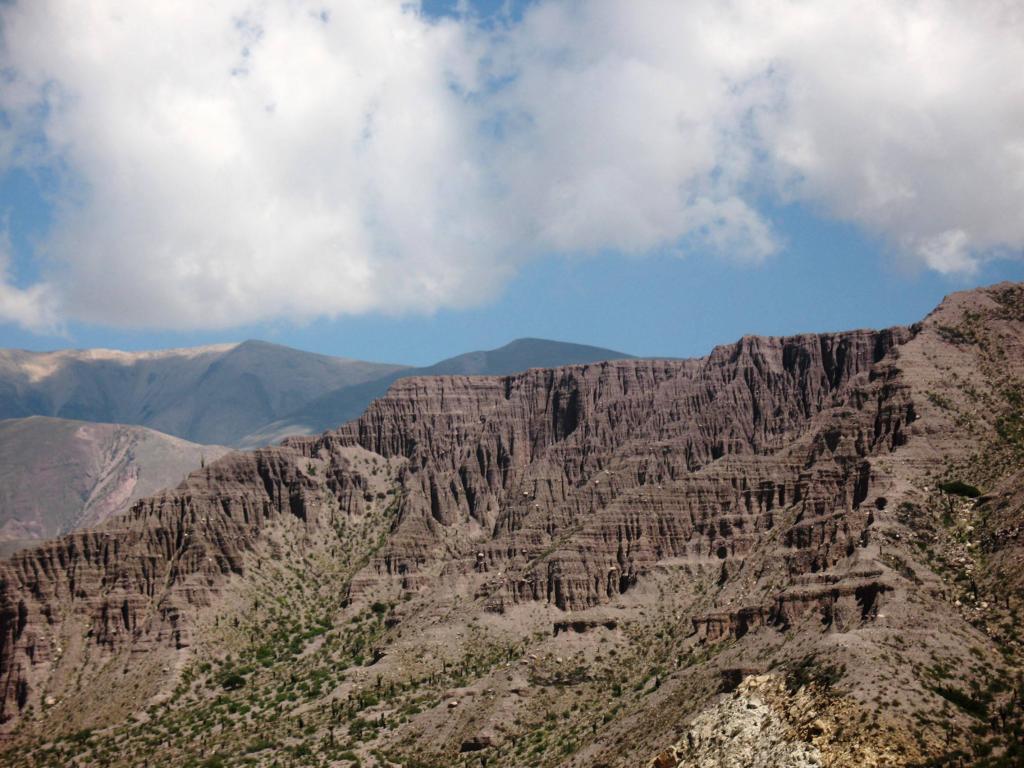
799,551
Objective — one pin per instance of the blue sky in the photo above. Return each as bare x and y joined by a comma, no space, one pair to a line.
810,259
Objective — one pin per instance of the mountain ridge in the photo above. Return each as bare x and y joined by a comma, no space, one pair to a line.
240,393
343,404
211,394
598,564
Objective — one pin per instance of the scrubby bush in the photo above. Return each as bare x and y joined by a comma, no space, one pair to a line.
959,488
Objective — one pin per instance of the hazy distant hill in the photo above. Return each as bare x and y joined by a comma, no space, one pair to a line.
245,394
58,474
211,394
348,402
517,356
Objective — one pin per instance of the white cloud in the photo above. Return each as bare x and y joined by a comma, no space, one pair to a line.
906,119
946,251
34,307
226,163
246,160
625,125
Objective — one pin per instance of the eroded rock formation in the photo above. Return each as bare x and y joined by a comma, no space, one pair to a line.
760,488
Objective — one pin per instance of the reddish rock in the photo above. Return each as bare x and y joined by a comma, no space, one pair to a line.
567,486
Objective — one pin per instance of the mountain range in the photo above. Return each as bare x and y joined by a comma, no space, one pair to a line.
234,394
796,551
83,433
213,395
348,402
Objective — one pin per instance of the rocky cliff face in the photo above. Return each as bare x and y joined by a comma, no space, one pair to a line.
620,465
749,510
138,582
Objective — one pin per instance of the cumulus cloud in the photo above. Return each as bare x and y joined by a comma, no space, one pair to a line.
227,163
905,118
34,307
231,162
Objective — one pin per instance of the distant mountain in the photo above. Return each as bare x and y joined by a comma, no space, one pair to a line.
247,394
348,402
57,475
517,356
213,394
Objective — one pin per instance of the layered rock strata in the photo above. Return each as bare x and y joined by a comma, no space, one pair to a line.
769,470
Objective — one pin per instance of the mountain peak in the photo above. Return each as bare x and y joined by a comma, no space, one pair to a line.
539,343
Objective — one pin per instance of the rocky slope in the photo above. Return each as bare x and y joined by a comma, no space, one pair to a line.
593,565
57,475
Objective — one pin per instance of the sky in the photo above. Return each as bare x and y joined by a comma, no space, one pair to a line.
404,182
